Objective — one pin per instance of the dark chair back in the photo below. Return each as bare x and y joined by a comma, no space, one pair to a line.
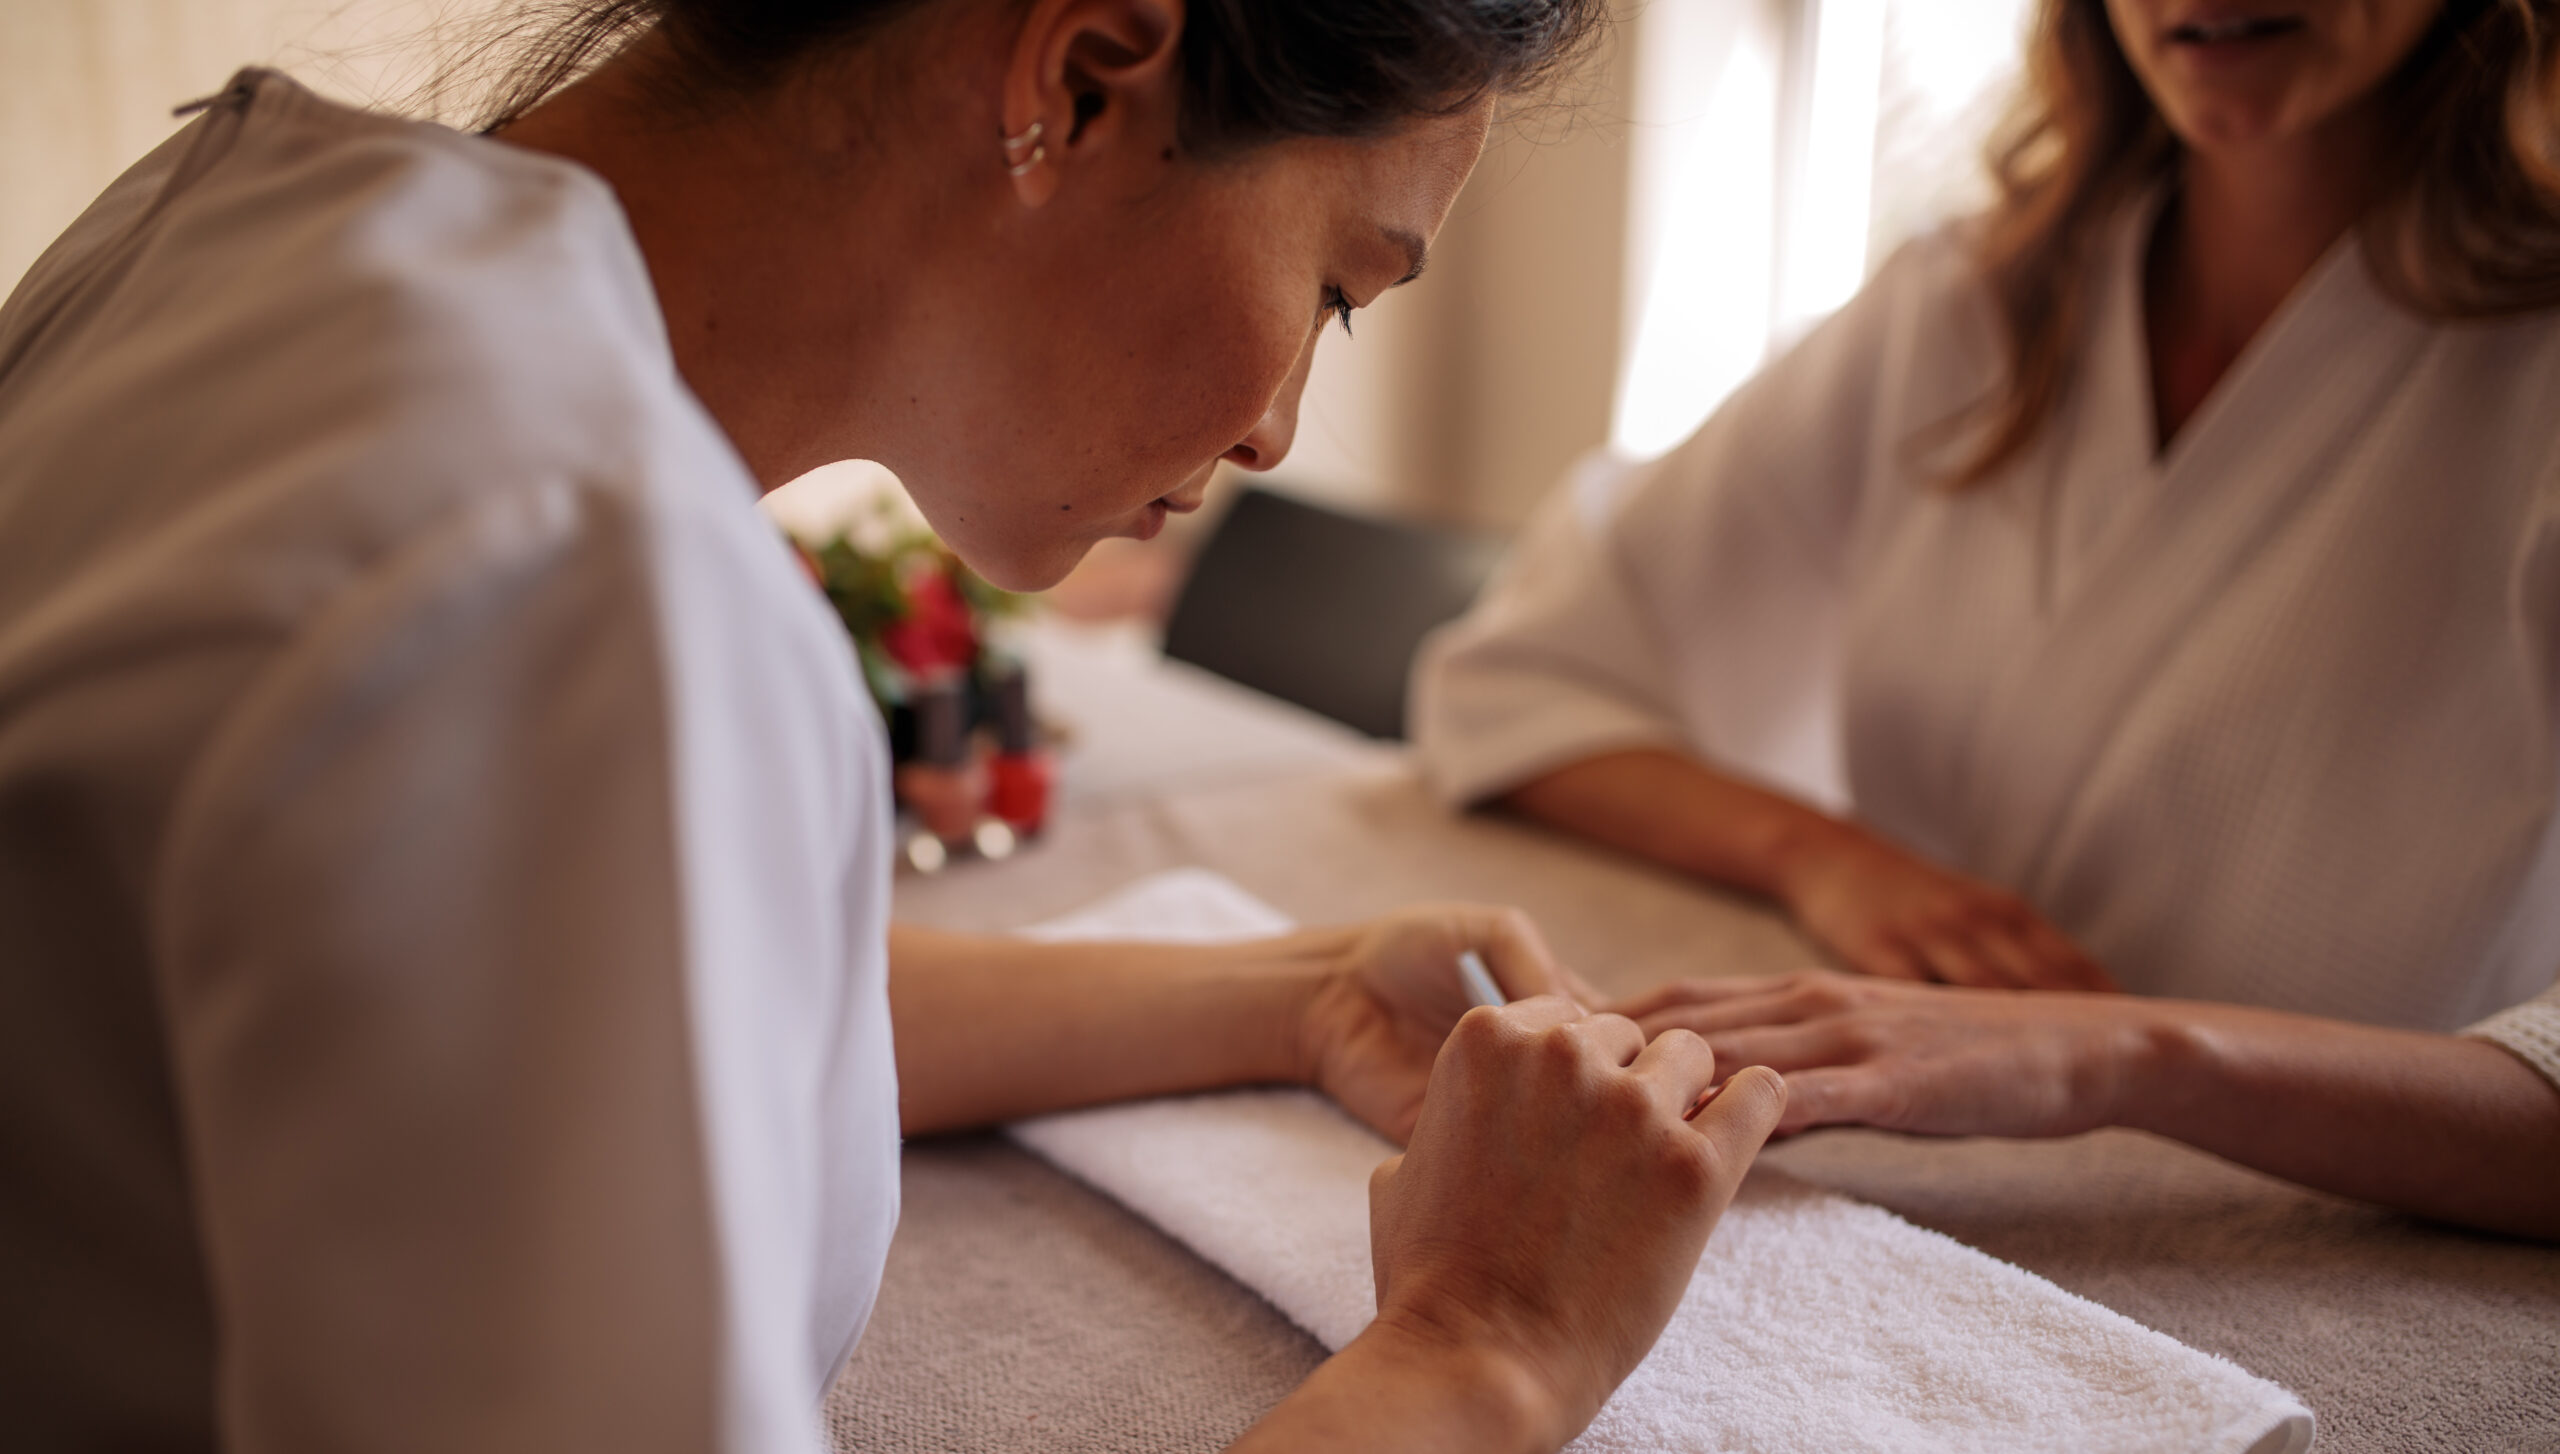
1321,607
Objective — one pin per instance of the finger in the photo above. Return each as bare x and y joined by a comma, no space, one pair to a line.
1786,1007
1887,959
1522,964
2085,972
1696,992
1845,1095
2019,964
1787,1048
1678,1068
1739,1121
1953,961
1613,1037
1581,991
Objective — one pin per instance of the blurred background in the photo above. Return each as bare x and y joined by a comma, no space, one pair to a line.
1726,173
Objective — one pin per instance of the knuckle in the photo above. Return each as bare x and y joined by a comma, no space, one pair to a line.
1558,1050
1481,1032
1831,996
1894,1102
1681,1040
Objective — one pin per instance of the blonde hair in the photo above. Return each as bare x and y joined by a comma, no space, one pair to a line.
2465,222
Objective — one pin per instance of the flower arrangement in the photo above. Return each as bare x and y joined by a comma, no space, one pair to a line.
915,613
930,635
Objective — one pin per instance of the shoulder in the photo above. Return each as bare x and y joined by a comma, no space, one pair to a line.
426,282
331,329
2480,392
329,343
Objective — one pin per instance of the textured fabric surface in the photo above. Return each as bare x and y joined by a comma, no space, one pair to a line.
2266,716
1022,1311
1815,1324
2531,1030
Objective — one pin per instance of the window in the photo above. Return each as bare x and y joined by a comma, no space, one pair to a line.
1782,149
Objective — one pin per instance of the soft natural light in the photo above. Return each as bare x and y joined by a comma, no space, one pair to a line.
1780,152
1703,224
1832,185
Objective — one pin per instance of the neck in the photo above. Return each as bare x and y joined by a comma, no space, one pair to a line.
2248,226
2251,224
735,211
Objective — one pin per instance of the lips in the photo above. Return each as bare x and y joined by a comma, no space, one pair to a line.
2225,30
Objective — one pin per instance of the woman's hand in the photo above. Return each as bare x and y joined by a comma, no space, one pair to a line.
1554,1201
1883,910
1372,1028
1891,913
1936,1059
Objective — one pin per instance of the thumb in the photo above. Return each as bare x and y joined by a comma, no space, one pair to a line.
1521,962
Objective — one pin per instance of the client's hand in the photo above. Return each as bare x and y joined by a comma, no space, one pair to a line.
1937,1059
1371,1031
1554,1201
1889,912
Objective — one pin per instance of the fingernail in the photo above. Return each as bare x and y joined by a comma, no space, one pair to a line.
1700,1104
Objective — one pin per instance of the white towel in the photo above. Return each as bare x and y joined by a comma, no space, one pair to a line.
1814,1323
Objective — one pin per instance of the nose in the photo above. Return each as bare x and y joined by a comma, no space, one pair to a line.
1268,442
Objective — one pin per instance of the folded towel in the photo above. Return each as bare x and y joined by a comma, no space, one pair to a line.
1814,1322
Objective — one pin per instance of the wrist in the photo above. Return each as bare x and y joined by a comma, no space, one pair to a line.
1485,1396
1313,970
1801,846
2164,1052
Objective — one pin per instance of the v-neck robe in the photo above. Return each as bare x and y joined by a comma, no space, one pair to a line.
2267,716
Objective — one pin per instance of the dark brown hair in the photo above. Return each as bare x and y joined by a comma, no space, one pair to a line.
2466,222
1253,70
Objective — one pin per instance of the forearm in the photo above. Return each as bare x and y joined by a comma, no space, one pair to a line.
1679,811
1396,1394
2433,1124
992,1029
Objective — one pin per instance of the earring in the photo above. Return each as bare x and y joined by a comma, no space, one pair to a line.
1015,162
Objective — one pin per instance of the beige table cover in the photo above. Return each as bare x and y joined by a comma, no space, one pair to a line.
1025,1312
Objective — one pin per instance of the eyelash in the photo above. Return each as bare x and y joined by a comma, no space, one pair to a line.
1338,303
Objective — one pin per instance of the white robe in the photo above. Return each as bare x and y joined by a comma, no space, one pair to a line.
2271,716
443,857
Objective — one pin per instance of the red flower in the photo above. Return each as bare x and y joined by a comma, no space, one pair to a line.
936,631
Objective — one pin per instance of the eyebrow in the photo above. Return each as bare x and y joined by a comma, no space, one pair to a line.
1417,253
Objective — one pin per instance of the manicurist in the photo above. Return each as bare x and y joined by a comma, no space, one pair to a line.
447,994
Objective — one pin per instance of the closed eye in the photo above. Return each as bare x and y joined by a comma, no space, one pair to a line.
1338,303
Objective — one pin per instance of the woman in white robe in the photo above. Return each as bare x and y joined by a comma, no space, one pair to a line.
2236,680
447,998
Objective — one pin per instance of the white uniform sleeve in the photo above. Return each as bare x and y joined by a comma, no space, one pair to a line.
1692,601
487,1153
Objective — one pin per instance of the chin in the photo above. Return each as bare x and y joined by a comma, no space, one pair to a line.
1025,571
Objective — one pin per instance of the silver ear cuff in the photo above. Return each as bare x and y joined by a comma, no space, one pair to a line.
1023,152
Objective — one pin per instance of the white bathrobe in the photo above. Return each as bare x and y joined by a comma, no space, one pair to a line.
443,854
2270,716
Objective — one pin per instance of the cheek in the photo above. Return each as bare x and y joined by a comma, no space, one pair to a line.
1190,382
1131,403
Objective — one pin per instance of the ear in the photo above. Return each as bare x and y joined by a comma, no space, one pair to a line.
1101,80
